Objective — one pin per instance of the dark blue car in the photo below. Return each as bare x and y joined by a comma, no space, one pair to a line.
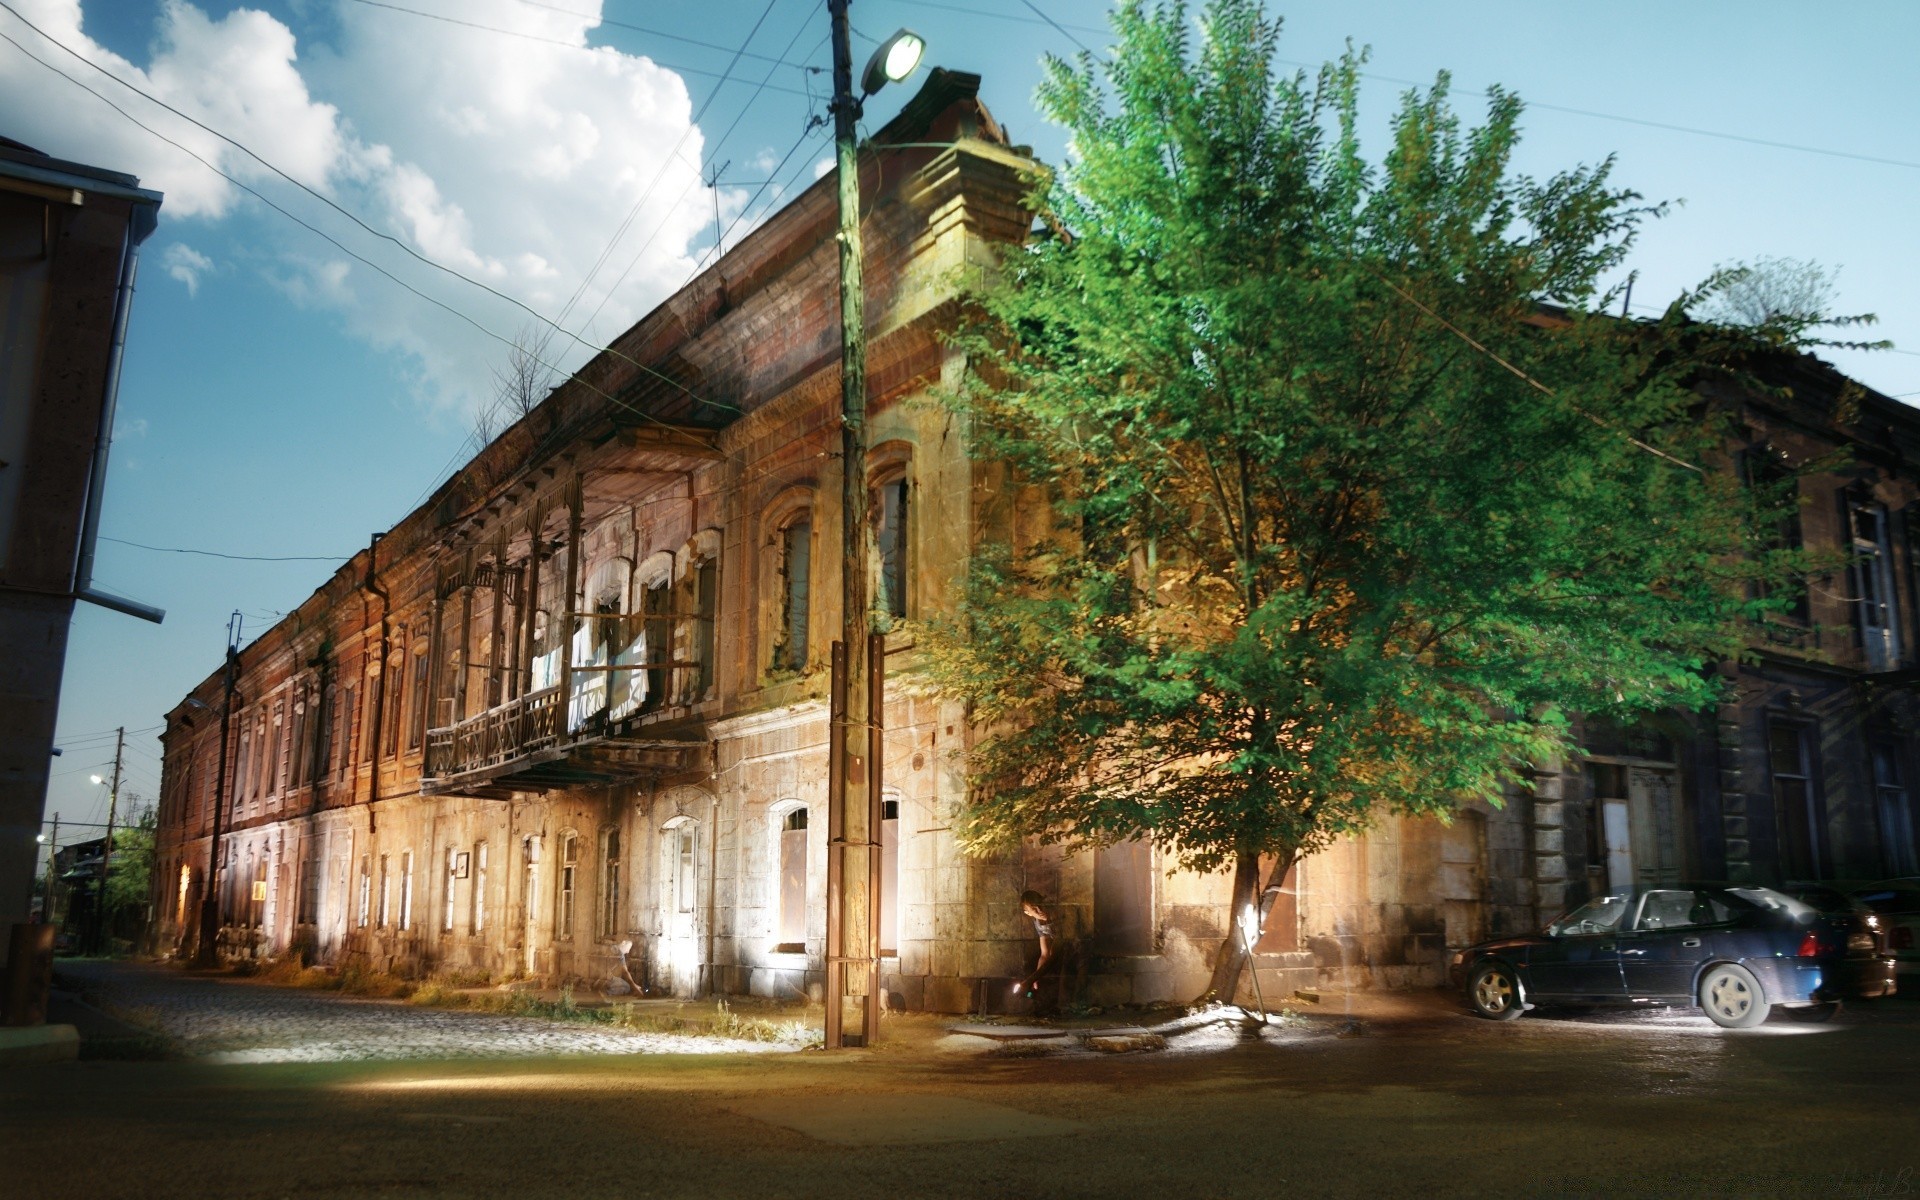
1736,950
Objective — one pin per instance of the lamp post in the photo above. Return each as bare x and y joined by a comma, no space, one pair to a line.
207,954
853,786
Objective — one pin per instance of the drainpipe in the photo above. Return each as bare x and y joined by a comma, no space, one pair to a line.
372,584
140,224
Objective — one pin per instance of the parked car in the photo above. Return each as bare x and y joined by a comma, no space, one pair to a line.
1897,903
1736,950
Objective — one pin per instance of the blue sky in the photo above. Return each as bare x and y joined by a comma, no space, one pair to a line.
283,400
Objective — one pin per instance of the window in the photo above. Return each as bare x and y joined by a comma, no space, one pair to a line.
479,887
1896,813
706,606
546,652
1123,898
363,905
891,539
243,763
297,740
381,920
406,890
656,603
1796,817
890,876
1766,470
796,549
569,867
1872,579
790,918
310,883
453,876
390,729
417,703
684,878
609,883
343,730
276,758
257,896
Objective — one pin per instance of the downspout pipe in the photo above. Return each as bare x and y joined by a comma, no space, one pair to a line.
141,223
372,585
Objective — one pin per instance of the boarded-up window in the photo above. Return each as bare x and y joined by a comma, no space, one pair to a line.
1123,898
706,601
417,703
406,890
480,887
790,925
891,539
385,880
1281,933
363,908
890,877
796,549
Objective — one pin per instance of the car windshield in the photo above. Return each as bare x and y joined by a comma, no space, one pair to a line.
1772,901
1602,914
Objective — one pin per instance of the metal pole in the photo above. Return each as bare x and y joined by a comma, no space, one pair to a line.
208,956
846,821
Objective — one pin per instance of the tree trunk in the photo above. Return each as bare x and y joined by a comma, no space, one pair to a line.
1251,904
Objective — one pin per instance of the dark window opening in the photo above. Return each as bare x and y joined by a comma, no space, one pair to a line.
891,537
796,548
1796,815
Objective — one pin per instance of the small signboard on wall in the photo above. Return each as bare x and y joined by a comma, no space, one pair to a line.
460,865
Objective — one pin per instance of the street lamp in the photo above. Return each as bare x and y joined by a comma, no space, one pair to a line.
854,696
892,62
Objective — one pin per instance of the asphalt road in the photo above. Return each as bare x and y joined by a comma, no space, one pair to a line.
1427,1102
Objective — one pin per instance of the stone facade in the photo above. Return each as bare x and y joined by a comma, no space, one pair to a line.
450,758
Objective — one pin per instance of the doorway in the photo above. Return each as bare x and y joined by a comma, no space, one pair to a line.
1638,822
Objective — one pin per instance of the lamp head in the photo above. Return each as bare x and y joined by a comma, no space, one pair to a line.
97,779
893,61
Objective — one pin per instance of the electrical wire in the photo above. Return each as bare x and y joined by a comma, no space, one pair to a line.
329,202
233,557
609,21
337,244
534,37
626,222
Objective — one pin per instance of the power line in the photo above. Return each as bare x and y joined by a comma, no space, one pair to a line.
609,21
626,222
534,37
329,202
336,243
1062,28
234,557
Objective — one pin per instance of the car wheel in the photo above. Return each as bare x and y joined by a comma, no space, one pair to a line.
1493,992
1813,1014
1732,997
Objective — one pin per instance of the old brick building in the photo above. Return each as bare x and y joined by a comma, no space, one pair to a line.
445,761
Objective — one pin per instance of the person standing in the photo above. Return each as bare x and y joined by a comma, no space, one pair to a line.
1054,974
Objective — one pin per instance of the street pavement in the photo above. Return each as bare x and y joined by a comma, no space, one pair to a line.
1426,1102
240,1021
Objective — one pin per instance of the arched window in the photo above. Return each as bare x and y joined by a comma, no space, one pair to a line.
796,575
790,879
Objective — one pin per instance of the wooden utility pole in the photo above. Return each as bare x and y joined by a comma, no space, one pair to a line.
851,857
53,854
207,955
113,809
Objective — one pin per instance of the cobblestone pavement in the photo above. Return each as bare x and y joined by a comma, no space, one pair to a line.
237,1021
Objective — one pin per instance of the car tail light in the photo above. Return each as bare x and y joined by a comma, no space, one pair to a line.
1810,946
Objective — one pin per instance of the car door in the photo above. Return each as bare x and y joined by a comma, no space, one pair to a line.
1580,958
1665,943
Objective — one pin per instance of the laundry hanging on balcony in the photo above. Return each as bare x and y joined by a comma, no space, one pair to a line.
589,692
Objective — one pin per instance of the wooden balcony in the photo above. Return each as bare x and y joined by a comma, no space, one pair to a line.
524,746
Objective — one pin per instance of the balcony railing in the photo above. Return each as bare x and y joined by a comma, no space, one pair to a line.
519,727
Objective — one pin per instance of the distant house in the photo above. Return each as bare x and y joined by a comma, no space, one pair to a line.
578,698
69,242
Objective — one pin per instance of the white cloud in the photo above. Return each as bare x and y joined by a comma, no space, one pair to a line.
186,264
512,161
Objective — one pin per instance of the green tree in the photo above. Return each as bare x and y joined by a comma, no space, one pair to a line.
130,882
1357,497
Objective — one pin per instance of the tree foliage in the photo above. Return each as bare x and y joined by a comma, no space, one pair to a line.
1355,496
